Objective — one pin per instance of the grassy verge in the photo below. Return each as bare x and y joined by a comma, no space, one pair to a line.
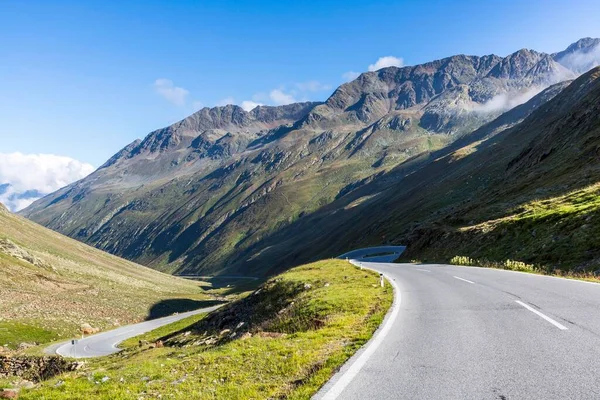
14,333
285,340
554,236
520,266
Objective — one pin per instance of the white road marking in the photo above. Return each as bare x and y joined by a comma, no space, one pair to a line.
547,318
465,280
424,270
370,348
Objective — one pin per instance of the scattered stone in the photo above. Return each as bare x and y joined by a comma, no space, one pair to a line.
59,383
307,286
159,344
9,394
25,384
187,333
239,325
77,365
105,379
25,345
224,332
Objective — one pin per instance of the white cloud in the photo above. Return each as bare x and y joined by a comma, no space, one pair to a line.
387,61
582,61
226,101
279,97
174,94
507,101
312,86
249,105
350,76
26,177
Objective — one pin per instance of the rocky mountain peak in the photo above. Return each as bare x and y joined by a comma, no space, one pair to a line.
580,56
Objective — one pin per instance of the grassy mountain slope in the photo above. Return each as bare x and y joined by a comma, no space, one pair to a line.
283,341
196,196
52,283
505,197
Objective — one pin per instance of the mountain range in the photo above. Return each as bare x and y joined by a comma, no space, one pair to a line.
398,155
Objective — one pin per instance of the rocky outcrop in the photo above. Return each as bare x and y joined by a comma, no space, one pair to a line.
34,368
11,249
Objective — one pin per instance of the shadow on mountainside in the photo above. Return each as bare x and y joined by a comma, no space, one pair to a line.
554,151
168,307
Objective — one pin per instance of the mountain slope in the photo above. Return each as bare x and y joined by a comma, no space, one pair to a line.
196,196
54,282
527,193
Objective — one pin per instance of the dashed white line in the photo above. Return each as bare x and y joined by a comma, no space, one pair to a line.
464,280
547,318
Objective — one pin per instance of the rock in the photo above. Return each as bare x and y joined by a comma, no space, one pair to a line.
307,286
9,394
87,329
245,336
105,379
224,332
326,285
25,384
25,345
239,325
77,365
187,333
159,344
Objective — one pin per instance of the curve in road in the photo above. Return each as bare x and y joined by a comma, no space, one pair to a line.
105,343
476,333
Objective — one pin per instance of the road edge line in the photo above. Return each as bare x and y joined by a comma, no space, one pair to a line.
353,366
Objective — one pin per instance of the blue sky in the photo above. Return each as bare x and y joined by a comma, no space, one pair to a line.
79,78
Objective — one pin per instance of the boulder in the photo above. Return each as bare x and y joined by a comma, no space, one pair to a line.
9,394
88,329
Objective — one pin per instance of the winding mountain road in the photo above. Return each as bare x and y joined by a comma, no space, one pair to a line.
474,333
105,343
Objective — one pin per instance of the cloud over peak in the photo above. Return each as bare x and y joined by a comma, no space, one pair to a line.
174,94
387,61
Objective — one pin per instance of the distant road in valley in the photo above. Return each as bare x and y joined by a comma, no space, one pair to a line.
473,333
105,343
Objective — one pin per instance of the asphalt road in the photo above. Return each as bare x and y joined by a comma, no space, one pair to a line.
105,343
474,333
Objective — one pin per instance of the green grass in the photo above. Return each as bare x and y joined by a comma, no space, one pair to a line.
14,333
319,315
66,283
555,236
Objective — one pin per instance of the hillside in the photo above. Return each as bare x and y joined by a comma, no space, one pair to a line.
51,284
290,336
201,194
526,193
